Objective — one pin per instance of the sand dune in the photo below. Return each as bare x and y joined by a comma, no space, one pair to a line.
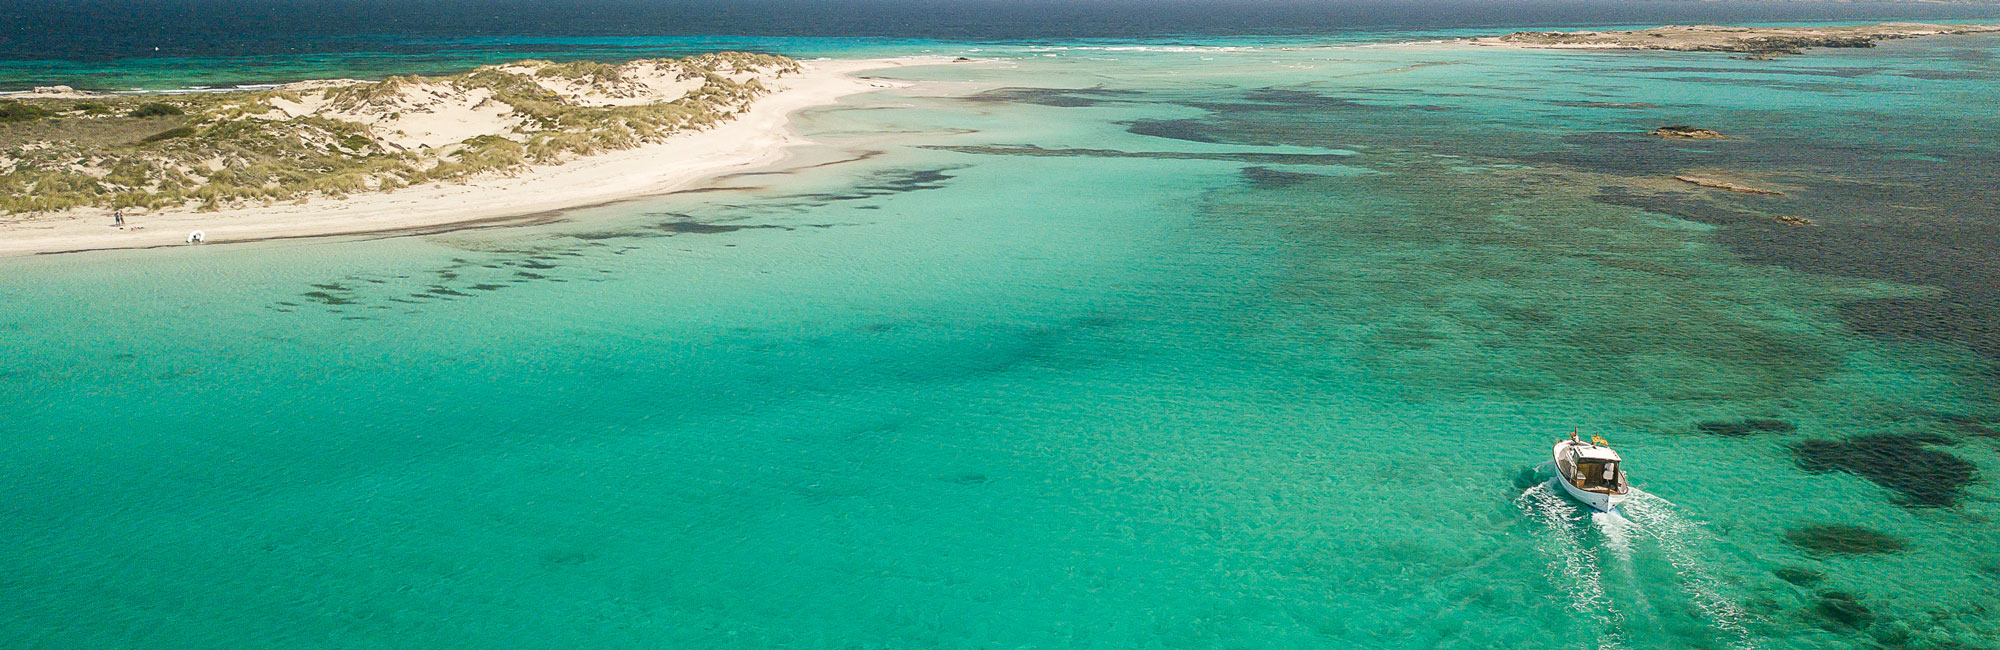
755,137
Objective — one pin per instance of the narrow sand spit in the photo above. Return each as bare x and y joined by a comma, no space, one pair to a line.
1761,41
758,137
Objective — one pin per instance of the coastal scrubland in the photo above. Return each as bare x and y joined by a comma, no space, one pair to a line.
62,150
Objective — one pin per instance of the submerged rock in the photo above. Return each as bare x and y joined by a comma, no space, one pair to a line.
1740,428
1267,178
1713,183
1790,220
1800,576
968,478
1842,608
1971,425
1843,539
1923,477
1685,131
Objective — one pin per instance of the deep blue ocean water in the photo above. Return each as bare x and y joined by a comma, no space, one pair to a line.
222,42
98,29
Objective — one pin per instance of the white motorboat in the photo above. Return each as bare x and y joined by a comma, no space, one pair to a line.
1590,472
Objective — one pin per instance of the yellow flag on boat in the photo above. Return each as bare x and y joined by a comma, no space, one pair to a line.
1600,441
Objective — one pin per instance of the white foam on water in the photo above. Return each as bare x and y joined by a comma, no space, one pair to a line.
1618,532
1644,523
1684,542
1573,565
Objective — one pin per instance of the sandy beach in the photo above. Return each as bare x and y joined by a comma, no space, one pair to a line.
758,137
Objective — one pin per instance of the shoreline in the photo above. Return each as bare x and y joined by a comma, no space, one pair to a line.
759,137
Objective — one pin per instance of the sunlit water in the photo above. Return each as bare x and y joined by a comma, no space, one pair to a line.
1085,347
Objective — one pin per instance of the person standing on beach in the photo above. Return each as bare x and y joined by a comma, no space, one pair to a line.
118,218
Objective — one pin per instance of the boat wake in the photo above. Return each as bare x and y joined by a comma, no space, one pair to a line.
1573,564
1686,544
1599,562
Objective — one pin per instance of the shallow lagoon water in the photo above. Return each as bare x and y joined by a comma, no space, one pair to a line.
1087,347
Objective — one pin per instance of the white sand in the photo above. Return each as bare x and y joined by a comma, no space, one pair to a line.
429,116
646,81
758,137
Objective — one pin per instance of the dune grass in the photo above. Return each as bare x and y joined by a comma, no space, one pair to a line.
215,150
16,111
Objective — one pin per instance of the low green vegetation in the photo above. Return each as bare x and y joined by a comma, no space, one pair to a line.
210,151
157,109
169,134
14,111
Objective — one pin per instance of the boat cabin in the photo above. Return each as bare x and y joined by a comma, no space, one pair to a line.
1593,468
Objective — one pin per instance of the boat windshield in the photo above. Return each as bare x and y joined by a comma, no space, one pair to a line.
1597,475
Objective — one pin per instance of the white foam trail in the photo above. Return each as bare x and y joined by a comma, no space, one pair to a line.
1683,540
1617,532
1618,537
1642,522
1573,566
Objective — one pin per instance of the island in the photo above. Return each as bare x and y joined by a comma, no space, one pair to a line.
87,170
1758,42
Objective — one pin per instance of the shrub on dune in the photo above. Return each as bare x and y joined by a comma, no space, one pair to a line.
157,109
13,111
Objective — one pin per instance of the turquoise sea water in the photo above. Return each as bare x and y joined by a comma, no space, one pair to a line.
1217,345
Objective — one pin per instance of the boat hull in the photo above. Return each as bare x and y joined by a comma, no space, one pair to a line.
1599,501
1596,500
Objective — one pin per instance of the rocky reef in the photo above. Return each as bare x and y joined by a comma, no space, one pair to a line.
1907,464
1685,131
1713,183
1760,42
1843,539
1745,427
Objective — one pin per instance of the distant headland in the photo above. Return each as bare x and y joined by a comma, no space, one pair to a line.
1759,42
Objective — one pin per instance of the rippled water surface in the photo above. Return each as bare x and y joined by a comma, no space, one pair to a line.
1083,346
